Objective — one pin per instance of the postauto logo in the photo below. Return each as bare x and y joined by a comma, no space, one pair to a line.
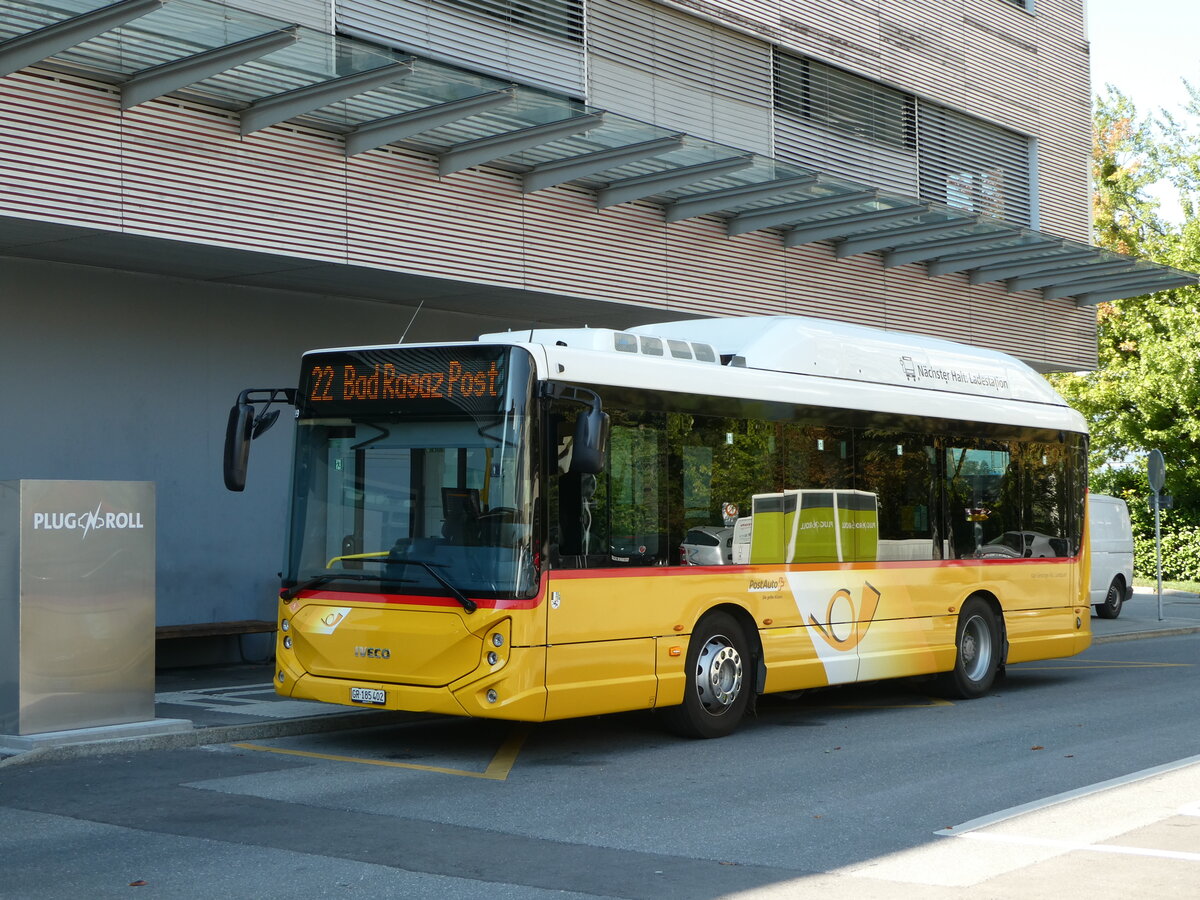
88,521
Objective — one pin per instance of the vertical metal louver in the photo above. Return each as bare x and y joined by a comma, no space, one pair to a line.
672,69
973,165
844,124
534,42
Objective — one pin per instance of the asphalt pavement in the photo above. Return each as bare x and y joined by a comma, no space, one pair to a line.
220,704
1128,836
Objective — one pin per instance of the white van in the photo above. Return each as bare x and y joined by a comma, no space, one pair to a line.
1112,554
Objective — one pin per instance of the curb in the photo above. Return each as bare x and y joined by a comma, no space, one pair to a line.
218,734
1139,635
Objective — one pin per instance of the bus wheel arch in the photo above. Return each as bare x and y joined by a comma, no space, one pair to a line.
721,674
980,648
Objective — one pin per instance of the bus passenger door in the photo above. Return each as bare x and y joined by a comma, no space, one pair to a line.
605,541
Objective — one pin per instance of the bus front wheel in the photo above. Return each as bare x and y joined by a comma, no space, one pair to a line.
977,655
719,676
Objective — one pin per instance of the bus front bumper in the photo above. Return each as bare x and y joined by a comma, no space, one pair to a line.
515,689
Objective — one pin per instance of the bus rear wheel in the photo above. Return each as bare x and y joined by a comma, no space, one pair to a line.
718,680
977,656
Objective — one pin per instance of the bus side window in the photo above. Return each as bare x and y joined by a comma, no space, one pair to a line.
1046,513
983,490
898,469
575,528
715,461
818,456
576,496
631,495
618,517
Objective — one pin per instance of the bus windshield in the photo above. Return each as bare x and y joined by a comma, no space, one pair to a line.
420,500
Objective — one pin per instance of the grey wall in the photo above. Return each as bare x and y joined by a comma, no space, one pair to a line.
109,375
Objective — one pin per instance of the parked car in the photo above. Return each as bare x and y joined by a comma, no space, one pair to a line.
1023,545
1111,541
707,545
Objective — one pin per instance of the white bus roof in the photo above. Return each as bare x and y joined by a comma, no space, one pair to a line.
838,364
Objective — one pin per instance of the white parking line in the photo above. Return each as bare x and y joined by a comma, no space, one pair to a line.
258,700
1071,845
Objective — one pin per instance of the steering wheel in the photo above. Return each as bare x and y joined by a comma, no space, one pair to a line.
493,521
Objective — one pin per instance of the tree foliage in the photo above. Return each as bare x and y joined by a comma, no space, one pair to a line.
1125,165
1146,391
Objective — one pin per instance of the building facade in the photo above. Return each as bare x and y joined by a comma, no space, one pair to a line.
193,192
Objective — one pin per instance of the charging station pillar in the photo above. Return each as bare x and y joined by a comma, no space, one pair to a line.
76,604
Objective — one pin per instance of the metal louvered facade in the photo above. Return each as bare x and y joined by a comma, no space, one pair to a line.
1022,71
972,165
845,124
535,42
310,13
863,130
654,64
725,111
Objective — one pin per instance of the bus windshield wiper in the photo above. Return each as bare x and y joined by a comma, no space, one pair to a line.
466,602
316,580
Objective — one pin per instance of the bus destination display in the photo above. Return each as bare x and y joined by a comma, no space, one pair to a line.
387,382
402,379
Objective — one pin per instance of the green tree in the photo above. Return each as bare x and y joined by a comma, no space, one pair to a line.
1126,162
1145,392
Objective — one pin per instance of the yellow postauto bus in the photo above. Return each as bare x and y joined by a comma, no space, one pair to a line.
554,523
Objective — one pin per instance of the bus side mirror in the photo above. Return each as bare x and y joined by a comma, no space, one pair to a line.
591,442
262,423
244,426
238,433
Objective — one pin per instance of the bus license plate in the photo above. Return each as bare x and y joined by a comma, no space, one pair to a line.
368,695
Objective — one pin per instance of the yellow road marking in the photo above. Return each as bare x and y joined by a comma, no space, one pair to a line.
497,769
931,702
506,756
1103,664
1138,662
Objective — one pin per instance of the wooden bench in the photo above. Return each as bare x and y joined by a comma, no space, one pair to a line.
214,629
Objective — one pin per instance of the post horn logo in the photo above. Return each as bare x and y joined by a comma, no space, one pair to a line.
868,604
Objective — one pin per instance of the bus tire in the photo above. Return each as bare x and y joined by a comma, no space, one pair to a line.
977,652
720,675
1113,600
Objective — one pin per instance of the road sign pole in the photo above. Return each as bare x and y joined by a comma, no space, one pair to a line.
1156,474
1158,553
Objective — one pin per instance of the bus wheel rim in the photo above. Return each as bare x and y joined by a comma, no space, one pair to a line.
976,648
719,674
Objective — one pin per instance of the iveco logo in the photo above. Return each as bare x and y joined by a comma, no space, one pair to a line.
373,652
